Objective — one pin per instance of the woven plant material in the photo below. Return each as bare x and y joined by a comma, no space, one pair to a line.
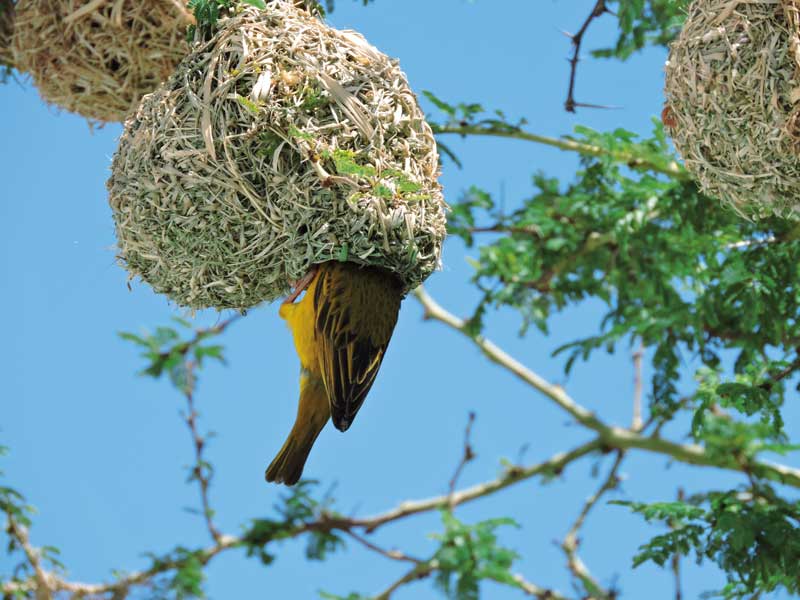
6,31
732,96
99,57
278,144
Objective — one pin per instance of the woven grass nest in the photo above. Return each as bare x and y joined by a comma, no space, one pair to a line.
732,91
99,57
6,31
278,144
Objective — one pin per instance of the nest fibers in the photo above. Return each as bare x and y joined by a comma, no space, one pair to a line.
99,57
6,31
732,92
278,144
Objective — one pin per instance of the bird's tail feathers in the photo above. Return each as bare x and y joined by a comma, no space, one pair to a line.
312,415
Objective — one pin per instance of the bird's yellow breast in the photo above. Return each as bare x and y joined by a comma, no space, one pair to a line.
300,319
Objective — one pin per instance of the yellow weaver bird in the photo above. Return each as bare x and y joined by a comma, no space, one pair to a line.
341,329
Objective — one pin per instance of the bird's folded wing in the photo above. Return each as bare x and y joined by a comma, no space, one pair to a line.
351,352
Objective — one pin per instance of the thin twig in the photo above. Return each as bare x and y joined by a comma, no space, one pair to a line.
467,455
501,228
784,373
637,423
598,10
393,554
186,347
571,541
201,471
676,560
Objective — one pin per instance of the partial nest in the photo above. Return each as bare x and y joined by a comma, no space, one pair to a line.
6,31
278,144
98,58
732,92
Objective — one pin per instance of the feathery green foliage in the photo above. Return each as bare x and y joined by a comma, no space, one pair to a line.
469,554
753,536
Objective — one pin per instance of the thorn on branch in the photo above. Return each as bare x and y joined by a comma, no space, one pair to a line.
570,104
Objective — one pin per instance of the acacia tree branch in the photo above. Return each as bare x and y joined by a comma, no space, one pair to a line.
42,579
535,591
433,310
672,169
58,584
612,436
426,569
421,571
512,475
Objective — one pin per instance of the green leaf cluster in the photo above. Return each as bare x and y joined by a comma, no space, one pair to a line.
469,554
12,502
297,509
754,537
166,351
643,23
185,577
207,13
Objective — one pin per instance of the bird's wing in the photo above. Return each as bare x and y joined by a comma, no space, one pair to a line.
356,311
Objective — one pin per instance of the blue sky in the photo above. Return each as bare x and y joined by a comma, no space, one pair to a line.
101,452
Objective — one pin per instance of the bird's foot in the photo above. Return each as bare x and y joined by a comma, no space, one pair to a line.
301,284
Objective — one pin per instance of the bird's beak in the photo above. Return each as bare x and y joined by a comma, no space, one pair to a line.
301,284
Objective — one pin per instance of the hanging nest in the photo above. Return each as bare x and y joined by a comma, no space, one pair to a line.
278,144
732,92
6,31
98,58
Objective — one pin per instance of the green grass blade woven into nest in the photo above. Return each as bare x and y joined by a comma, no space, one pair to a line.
279,143
732,93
